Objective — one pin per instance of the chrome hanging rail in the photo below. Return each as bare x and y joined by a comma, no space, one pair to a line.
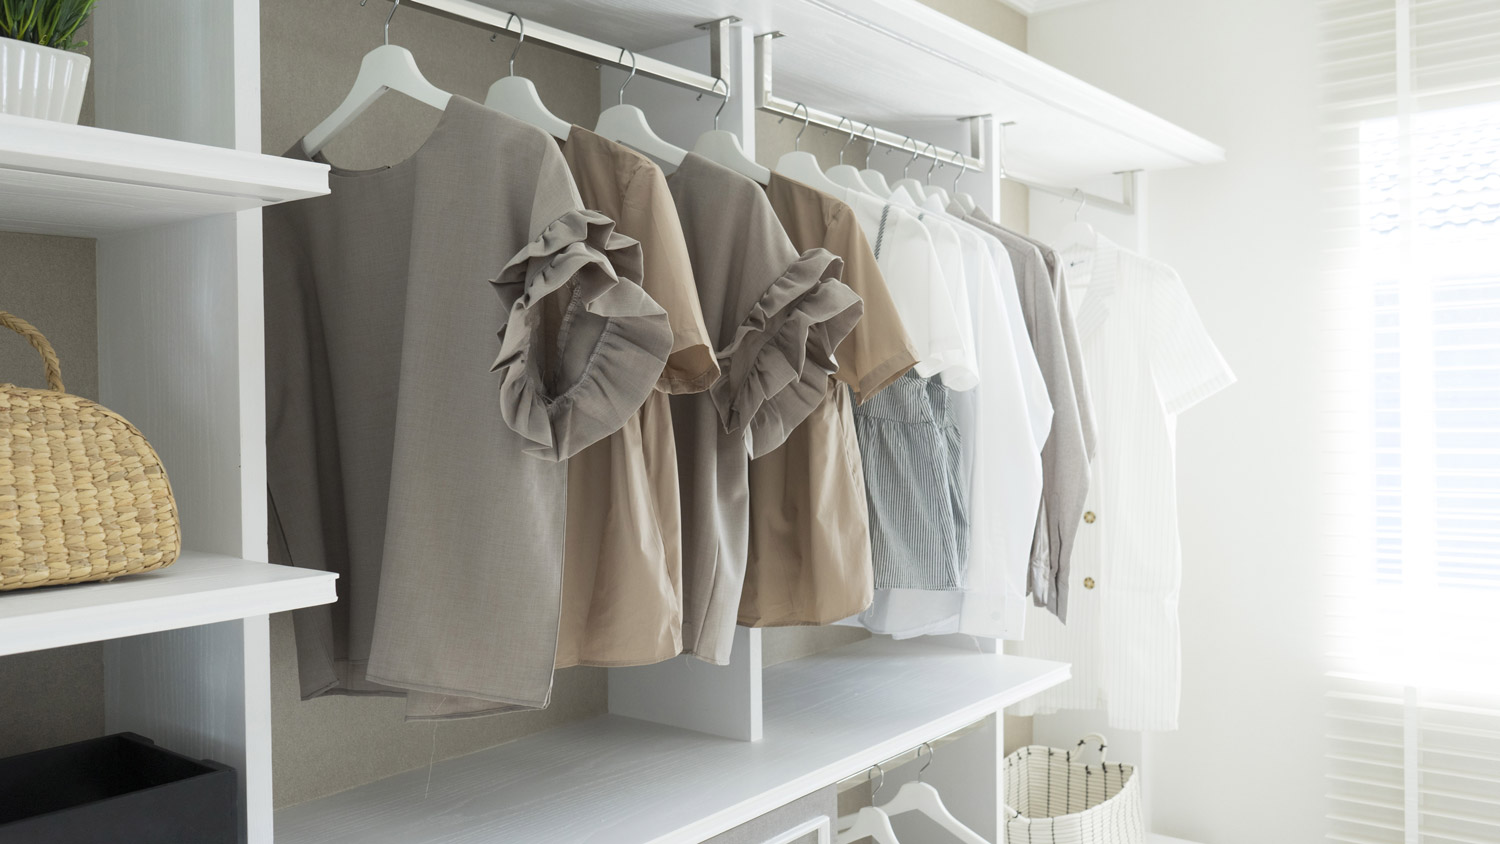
974,159
766,100
494,20
912,755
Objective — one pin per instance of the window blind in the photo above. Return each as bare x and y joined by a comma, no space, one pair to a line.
1412,435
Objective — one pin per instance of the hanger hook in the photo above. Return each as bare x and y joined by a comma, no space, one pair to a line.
963,163
935,161
848,142
879,785
916,150
718,80
1082,201
806,119
621,60
924,768
395,5
520,39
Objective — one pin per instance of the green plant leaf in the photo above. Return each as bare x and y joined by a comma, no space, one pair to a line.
50,23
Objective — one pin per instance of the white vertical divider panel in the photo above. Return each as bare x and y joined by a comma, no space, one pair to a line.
181,355
686,692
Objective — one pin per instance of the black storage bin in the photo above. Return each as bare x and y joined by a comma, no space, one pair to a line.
120,789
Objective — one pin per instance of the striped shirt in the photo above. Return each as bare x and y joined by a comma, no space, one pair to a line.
1149,358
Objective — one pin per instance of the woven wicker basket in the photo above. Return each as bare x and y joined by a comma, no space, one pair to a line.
83,496
1051,797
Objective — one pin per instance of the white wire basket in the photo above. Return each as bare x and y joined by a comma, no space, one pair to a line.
1052,797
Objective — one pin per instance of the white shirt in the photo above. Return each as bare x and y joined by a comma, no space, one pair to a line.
913,273
1004,423
963,374
1149,359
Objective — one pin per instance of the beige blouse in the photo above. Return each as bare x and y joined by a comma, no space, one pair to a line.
810,557
775,318
399,455
622,575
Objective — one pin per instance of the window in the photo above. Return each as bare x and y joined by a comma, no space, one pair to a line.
1413,309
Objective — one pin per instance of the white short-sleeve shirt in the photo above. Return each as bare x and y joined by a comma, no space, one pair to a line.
913,272
1004,423
1149,358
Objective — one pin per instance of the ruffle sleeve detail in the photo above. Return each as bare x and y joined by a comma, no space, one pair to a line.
574,370
775,371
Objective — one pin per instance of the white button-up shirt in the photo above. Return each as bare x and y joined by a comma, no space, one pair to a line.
1149,358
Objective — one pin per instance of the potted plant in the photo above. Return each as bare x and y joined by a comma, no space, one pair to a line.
40,75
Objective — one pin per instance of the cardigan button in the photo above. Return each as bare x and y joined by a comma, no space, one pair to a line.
1089,517
1088,583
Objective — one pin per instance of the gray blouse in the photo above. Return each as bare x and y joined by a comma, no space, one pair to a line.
774,319
440,335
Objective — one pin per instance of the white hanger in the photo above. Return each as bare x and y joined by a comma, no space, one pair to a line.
627,125
803,166
385,68
847,175
876,179
964,201
912,186
516,95
934,190
1077,234
723,147
924,799
869,823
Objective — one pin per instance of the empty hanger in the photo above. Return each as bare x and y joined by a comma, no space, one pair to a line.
516,95
923,799
627,125
385,68
723,147
847,175
803,166
934,190
911,185
876,179
965,201
1077,235
869,822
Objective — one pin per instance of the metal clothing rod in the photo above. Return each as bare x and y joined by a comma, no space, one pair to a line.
484,17
886,765
766,100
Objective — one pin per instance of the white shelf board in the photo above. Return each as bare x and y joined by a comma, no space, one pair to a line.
196,589
614,780
897,62
83,181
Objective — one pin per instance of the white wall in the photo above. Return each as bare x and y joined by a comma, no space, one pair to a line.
1246,765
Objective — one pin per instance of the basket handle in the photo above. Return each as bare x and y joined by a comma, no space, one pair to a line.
38,342
1095,739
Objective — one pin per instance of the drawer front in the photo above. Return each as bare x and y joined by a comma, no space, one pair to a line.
807,820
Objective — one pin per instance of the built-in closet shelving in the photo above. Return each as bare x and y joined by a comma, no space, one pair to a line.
171,186
86,182
618,780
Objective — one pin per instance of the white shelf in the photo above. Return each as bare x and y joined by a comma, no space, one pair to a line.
197,589
83,181
899,62
614,780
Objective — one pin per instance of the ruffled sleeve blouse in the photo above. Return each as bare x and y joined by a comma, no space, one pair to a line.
775,318
440,336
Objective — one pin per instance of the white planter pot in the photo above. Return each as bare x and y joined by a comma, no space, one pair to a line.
43,82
